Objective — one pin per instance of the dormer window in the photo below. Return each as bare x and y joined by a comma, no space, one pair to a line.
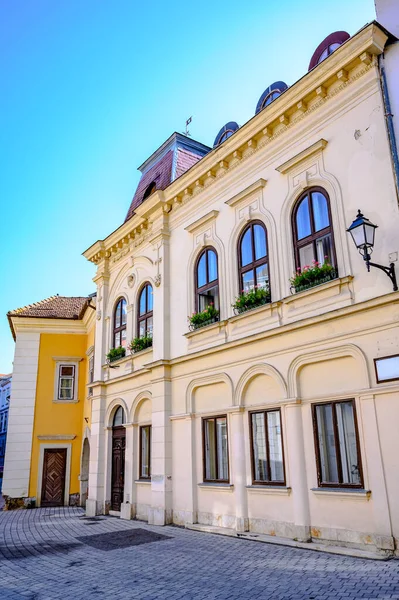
327,47
226,131
150,190
270,94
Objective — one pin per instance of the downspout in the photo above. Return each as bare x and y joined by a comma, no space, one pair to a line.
389,121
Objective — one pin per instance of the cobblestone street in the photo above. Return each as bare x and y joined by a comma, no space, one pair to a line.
49,554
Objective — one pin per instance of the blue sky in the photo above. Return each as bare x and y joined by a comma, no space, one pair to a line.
90,89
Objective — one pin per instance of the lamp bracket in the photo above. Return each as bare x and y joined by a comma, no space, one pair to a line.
390,271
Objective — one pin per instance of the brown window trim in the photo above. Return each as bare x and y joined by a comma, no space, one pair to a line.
335,484
281,483
376,372
115,329
205,480
315,235
141,476
255,263
146,315
210,284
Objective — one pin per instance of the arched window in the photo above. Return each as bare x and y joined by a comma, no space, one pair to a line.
327,51
226,131
145,312
119,330
207,280
270,97
327,47
253,260
313,234
119,417
150,190
271,93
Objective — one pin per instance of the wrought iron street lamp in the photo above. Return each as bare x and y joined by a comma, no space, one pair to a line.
363,231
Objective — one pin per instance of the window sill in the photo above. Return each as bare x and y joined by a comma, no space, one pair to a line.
142,481
206,328
222,487
73,401
278,490
348,493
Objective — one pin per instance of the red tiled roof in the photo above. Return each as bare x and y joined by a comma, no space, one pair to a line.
161,173
55,307
185,160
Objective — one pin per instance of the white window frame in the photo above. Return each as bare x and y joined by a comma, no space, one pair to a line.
61,361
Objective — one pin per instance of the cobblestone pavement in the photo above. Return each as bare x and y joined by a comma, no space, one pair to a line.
49,554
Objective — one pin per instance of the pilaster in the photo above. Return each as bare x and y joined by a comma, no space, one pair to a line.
239,474
97,463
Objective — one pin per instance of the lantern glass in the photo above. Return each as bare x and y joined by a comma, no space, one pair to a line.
369,233
358,236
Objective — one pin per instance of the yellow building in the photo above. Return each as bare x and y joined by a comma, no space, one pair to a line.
50,410
273,409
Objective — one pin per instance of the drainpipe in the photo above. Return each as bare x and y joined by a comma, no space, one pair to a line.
389,122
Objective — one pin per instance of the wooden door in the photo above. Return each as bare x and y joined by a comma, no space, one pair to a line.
53,483
118,467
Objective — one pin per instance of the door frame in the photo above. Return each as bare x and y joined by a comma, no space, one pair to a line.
43,447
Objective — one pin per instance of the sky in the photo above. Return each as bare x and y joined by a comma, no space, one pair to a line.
90,89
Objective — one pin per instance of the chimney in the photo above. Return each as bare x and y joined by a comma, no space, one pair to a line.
387,12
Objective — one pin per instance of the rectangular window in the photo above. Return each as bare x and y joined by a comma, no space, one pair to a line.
387,368
216,455
267,448
145,452
91,368
66,382
337,444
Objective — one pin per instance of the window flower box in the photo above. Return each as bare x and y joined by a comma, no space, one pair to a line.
140,343
206,317
310,276
254,298
116,354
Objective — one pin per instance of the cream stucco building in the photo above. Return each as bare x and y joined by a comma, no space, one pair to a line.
281,419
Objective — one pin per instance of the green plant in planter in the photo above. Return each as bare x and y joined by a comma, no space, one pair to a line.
257,296
205,317
116,354
140,343
311,275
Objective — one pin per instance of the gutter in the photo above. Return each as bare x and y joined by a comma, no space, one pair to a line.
389,122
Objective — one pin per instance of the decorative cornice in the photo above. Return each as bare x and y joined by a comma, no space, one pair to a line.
56,437
67,358
301,156
251,189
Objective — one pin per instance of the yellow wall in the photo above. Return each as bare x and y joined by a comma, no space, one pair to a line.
53,418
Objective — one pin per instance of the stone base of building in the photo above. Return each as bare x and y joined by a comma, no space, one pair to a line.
160,516
18,503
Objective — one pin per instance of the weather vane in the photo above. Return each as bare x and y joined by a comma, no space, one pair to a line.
187,124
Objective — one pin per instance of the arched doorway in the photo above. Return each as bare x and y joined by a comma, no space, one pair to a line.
118,459
84,473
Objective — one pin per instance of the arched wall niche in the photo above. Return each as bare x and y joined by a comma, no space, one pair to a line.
342,369
211,387
260,384
141,405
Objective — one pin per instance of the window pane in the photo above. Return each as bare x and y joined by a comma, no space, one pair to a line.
387,368
262,276
306,256
123,312
347,443
324,250
248,281
323,55
212,266
211,296
149,326
142,328
66,382
142,304
320,211
275,446
145,452
118,314
260,242
123,338
201,271
303,219
246,248
65,394
118,417
66,371
326,440
259,447
150,298
210,456
333,47
117,339
221,432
